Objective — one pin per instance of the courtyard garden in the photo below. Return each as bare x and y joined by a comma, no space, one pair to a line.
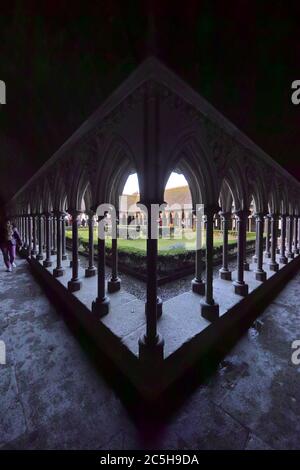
176,256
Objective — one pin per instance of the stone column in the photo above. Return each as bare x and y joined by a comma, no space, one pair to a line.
114,284
283,258
151,344
53,234
246,264
209,308
74,284
290,253
58,271
47,262
240,287
296,249
33,251
100,306
198,286
224,272
260,274
21,228
273,265
64,255
29,222
40,255
268,231
254,257
91,269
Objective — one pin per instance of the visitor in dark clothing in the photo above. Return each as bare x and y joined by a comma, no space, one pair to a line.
9,238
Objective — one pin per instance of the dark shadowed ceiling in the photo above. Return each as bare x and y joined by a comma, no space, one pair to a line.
60,61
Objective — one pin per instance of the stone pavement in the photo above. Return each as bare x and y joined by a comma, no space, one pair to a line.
54,395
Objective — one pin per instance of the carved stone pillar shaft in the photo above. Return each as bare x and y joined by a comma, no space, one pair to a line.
198,286
224,272
58,271
273,265
209,308
283,258
240,287
47,262
114,284
260,274
100,306
91,269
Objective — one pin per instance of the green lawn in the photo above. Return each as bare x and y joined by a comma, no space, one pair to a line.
175,244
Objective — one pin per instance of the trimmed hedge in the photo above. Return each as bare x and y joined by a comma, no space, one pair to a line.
169,262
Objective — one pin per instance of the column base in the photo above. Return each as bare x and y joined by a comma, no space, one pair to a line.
267,254
90,272
260,276
58,272
151,352
254,259
278,251
47,264
225,274
114,285
74,285
100,307
209,311
240,288
64,257
273,267
198,286
246,266
290,255
283,260
40,257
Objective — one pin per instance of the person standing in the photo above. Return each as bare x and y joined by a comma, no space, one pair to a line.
9,238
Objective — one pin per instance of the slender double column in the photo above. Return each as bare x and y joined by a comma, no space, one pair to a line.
114,284
268,232
209,308
260,274
40,255
198,285
273,265
53,234
58,271
64,255
100,306
296,249
74,284
151,344
240,287
290,253
246,264
47,262
29,225
224,272
91,269
283,259
34,250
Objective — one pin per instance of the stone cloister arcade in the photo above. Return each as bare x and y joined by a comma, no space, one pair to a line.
152,125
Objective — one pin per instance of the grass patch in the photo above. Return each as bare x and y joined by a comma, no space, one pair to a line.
174,246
